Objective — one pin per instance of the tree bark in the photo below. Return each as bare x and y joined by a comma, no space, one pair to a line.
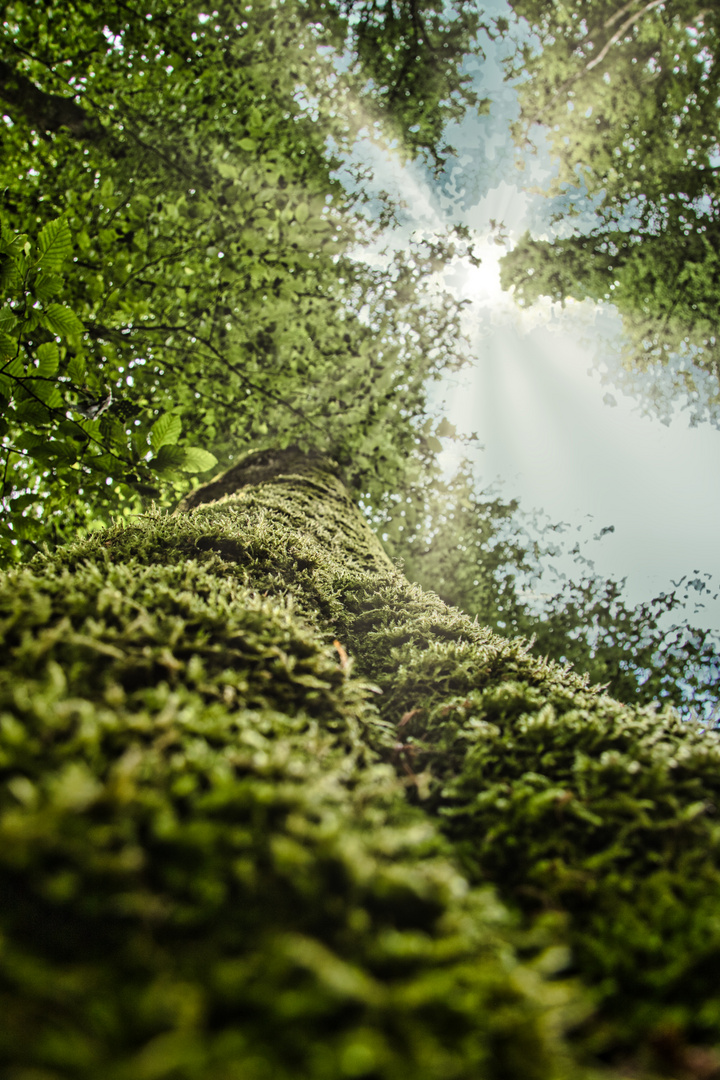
255,786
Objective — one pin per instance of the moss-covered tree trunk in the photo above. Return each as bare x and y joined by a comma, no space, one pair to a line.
254,786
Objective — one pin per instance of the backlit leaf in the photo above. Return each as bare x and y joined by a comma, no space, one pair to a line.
168,458
76,369
54,244
61,321
198,460
165,431
49,356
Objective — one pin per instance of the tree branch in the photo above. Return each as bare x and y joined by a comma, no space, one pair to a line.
46,112
603,52
619,33
619,13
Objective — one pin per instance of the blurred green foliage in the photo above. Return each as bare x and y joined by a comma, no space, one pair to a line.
627,98
485,554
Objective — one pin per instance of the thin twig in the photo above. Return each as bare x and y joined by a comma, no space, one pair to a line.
140,270
619,14
619,33
165,328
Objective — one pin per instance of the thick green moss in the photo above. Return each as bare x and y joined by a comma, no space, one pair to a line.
205,870
212,862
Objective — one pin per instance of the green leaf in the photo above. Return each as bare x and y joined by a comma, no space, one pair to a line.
446,430
21,502
9,273
29,440
14,368
70,430
8,345
54,244
168,458
76,369
197,460
302,210
41,454
165,431
48,392
63,452
25,526
228,171
49,356
61,321
105,464
46,286
248,144
33,412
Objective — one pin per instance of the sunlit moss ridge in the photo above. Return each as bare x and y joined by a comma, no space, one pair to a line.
212,868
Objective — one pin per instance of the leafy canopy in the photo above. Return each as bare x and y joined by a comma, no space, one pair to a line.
177,272
627,95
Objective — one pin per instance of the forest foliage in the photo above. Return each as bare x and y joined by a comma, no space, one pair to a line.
626,95
176,262
180,282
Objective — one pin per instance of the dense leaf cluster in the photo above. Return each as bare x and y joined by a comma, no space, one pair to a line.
203,296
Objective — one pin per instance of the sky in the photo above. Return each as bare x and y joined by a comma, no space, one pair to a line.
641,495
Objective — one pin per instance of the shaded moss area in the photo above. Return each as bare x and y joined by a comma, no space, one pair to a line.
569,802
227,854
205,870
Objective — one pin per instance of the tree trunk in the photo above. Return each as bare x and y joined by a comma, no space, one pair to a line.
255,784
